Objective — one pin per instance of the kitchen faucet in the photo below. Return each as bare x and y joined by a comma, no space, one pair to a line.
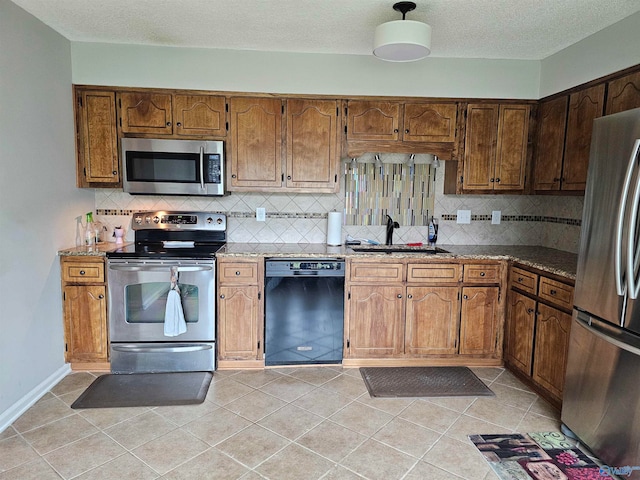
390,226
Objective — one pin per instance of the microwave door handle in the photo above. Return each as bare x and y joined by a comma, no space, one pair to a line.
202,167
632,248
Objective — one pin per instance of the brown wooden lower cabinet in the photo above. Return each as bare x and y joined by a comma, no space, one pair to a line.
84,294
402,320
432,320
376,323
537,331
240,311
551,345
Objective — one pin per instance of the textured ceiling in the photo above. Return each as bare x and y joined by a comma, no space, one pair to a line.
508,29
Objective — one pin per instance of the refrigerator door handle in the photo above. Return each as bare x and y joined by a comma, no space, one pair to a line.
633,255
621,287
607,338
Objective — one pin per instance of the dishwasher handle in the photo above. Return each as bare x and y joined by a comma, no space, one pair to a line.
305,273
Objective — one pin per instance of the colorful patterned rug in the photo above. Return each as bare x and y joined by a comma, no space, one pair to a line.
538,456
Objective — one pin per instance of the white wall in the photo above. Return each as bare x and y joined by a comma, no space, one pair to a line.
252,71
38,199
607,51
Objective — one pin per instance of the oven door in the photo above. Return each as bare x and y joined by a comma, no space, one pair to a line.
138,292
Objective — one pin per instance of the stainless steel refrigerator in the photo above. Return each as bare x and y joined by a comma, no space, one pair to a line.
601,403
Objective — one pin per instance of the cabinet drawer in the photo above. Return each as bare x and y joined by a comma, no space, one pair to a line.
481,273
85,271
238,272
556,292
524,280
433,272
376,272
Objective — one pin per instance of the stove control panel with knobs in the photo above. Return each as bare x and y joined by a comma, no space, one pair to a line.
167,220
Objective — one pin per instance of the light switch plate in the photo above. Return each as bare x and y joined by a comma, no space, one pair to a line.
464,216
496,216
260,214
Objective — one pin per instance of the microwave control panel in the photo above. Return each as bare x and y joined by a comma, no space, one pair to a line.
214,170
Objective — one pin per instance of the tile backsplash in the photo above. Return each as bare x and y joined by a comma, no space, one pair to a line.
549,221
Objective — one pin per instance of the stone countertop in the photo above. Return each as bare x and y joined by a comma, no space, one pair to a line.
98,250
546,259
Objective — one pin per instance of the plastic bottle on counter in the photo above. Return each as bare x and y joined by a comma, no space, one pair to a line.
433,232
89,231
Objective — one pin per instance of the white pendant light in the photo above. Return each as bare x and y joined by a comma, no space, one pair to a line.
402,40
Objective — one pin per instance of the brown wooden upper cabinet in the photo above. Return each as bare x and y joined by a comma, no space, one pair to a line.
97,138
310,160
552,123
584,107
623,93
495,148
401,127
172,114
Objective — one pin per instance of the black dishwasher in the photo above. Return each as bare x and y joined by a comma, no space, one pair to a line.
304,311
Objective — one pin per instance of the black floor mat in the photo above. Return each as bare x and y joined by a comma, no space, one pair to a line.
423,382
145,390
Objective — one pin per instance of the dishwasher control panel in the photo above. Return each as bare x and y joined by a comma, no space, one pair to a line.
288,267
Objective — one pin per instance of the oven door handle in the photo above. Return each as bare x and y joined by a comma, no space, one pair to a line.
163,268
170,348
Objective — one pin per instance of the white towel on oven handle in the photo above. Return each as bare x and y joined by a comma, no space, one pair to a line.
174,323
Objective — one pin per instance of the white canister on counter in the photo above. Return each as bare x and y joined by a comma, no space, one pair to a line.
334,228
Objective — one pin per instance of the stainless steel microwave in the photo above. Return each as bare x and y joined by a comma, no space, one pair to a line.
172,167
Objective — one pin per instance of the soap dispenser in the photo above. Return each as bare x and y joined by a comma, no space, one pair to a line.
433,232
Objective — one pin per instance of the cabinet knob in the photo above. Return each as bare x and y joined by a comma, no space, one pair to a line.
482,274
406,131
179,124
237,273
409,296
492,180
529,311
233,176
101,296
553,292
82,272
399,296
556,179
497,180
168,124
288,177
520,279
222,297
395,130
466,297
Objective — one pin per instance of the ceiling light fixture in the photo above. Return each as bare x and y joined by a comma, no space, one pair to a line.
402,40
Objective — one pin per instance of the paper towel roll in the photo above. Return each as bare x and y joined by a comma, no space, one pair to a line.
334,228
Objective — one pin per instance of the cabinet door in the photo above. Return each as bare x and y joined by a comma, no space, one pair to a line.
584,107
256,142
373,120
98,139
552,120
85,323
519,332
551,345
432,317
312,145
376,321
480,147
199,115
430,122
238,315
511,155
623,93
145,113
479,320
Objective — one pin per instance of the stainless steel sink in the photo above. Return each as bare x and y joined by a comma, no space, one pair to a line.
396,249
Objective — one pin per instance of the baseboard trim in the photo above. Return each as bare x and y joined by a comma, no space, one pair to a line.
12,413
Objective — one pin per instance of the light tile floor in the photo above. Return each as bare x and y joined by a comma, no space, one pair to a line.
289,423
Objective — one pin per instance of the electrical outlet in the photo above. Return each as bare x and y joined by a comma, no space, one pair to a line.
260,214
464,216
496,216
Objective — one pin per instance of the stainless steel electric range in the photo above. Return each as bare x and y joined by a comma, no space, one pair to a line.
140,281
